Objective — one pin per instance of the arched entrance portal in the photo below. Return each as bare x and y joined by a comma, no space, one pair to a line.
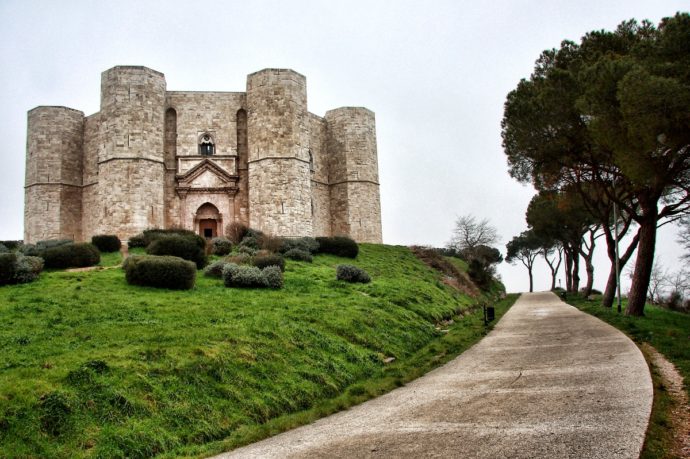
208,220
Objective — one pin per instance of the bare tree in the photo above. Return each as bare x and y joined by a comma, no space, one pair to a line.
658,282
470,233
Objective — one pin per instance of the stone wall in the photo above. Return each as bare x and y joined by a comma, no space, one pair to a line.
321,200
94,146
354,178
132,170
278,140
52,198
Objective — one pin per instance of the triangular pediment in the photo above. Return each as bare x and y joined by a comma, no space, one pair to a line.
206,174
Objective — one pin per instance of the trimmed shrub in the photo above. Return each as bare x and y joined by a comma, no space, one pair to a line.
106,242
273,277
155,233
221,246
264,261
240,259
236,231
250,242
307,244
349,273
160,271
339,246
215,269
299,255
8,266
178,246
249,251
12,245
27,269
71,256
270,243
137,241
255,233
36,250
242,276
17,268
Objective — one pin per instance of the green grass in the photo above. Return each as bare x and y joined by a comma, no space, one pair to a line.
669,333
94,367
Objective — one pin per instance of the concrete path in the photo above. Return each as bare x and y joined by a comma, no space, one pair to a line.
548,382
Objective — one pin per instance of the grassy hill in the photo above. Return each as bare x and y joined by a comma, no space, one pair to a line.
94,367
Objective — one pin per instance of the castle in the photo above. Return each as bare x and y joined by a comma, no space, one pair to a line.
153,158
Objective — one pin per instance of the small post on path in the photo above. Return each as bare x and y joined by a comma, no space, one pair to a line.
484,310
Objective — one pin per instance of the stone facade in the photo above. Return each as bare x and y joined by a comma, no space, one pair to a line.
200,161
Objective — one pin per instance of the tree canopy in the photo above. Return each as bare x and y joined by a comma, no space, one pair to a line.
609,118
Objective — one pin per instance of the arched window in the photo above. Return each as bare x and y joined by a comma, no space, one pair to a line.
206,145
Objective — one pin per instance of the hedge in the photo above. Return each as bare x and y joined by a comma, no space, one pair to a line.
8,266
178,246
339,246
106,242
349,273
264,261
299,255
71,256
221,246
252,277
160,271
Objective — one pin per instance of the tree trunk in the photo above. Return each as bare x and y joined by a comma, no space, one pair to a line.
610,292
576,272
590,275
643,263
568,270
531,283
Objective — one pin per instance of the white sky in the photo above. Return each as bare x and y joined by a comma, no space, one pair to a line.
435,72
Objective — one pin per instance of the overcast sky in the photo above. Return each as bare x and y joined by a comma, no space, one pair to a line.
436,73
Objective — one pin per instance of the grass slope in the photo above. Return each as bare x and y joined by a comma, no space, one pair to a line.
668,332
93,367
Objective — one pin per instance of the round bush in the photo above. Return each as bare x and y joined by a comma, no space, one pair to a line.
349,273
106,242
299,255
240,259
215,269
242,276
246,250
137,241
273,277
27,269
339,246
178,246
221,246
12,245
156,233
250,242
8,266
71,256
160,271
307,244
37,250
264,261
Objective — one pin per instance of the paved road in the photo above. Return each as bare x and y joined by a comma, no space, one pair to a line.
548,382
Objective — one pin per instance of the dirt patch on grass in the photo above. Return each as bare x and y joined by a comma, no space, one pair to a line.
451,275
680,414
